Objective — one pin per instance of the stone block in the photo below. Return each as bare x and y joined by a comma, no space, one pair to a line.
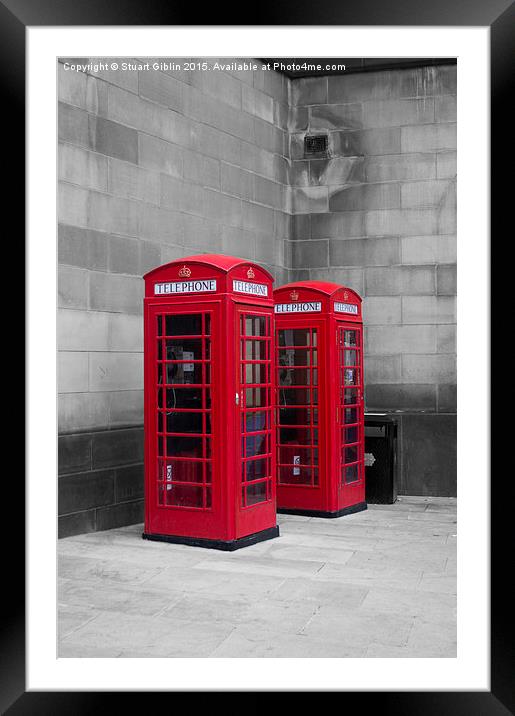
333,116
265,249
447,211
313,199
125,408
268,192
340,225
124,255
202,170
72,287
160,155
113,214
381,310
79,166
446,338
398,167
298,174
429,309
428,249
365,197
161,88
447,402
400,280
364,252
257,103
201,235
76,523
133,182
445,79
381,340
382,369
218,144
237,182
401,222
82,330
73,125
258,218
112,448
422,194
238,242
221,208
129,483
159,224
223,87
309,90
268,137
115,371
366,142
121,77
82,411
446,280
351,277
301,226
446,165
71,86
428,138
298,119
150,256
74,453
445,108
112,292
307,254
125,332
72,205
83,248
85,491
398,113
428,369
390,396
360,87
337,171
113,138
125,513
72,372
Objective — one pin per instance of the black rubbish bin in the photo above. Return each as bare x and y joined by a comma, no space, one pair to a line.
380,458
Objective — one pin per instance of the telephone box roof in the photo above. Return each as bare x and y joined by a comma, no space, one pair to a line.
219,261
326,287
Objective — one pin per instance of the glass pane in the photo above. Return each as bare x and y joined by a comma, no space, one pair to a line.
294,337
254,469
207,324
255,445
182,422
351,473
183,349
350,397
254,372
255,350
350,415
256,397
297,416
184,325
351,357
351,376
184,446
256,493
295,455
186,398
296,436
294,376
254,421
351,435
181,471
297,356
255,325
351,338
292,475
295,396
184,495
351,454
159,325
181,373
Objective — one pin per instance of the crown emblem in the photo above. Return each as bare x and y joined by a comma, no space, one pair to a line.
346,295
250,273
185,272
294,295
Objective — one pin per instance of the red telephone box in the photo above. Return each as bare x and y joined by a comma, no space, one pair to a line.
320,404
209,435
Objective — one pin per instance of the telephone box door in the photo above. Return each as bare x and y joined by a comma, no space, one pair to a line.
182,379
350,423
255,429
301,457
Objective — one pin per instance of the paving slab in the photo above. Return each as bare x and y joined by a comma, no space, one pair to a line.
379,583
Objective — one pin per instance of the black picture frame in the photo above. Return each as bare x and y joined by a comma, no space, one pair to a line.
499,15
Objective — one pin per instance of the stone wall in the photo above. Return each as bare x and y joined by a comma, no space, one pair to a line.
154,165
378,213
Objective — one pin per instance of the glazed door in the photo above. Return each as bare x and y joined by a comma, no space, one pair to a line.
182,478
299,455
255,419
350,410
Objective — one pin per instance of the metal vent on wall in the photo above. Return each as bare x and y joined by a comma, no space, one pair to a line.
315,144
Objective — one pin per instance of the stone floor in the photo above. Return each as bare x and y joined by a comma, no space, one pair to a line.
380,583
